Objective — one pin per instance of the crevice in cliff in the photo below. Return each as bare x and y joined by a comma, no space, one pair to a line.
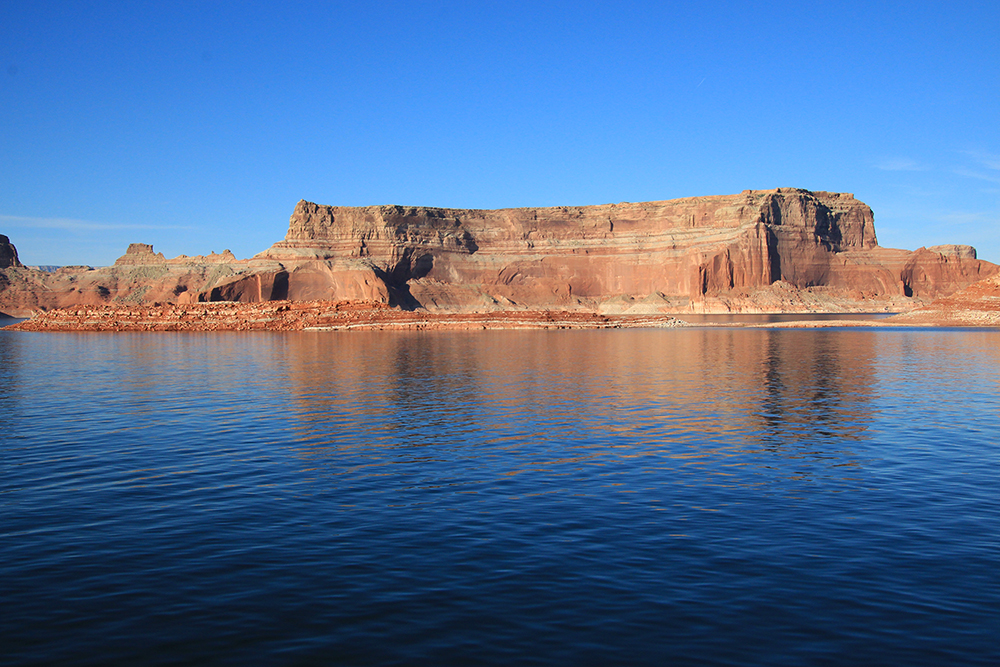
399,290
773,256
828,230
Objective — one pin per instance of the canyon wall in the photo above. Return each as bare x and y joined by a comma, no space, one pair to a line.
686,251
783,249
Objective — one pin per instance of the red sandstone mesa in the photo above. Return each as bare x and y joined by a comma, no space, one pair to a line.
757,251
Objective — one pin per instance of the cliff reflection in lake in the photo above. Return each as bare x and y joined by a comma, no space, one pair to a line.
696,496
586,396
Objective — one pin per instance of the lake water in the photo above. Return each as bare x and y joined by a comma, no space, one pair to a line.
684,496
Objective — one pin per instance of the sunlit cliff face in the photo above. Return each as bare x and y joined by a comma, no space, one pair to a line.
567,256
685,252
684,247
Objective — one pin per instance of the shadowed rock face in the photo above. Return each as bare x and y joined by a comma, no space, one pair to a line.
751,251
8,253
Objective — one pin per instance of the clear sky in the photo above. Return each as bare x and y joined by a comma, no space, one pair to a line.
197,126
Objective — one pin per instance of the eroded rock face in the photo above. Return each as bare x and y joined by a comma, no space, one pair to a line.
686,249
953,250
138,254
144,276
8,253
977,305
773,250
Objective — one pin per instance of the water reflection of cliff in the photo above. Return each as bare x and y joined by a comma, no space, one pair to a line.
651,391
10,379
814,385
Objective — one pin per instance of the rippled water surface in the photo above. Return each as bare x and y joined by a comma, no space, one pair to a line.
709,496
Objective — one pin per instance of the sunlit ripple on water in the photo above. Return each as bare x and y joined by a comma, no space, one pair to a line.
707,495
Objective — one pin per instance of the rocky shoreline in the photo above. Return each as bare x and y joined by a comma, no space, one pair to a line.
341,316
314,316
978,305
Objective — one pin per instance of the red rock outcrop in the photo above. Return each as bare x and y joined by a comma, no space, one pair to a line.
141,254
977,305
688,250
138,276
784,249
142,276
8,253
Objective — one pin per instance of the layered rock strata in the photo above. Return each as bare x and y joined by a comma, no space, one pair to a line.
137,277
144,276
977,305
688,253
758,251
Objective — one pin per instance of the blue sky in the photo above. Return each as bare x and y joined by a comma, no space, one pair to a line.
197,126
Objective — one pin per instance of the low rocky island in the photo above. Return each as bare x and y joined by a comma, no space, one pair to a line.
629,264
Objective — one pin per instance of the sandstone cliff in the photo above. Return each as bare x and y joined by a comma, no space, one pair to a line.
688,253
758,251
138,276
